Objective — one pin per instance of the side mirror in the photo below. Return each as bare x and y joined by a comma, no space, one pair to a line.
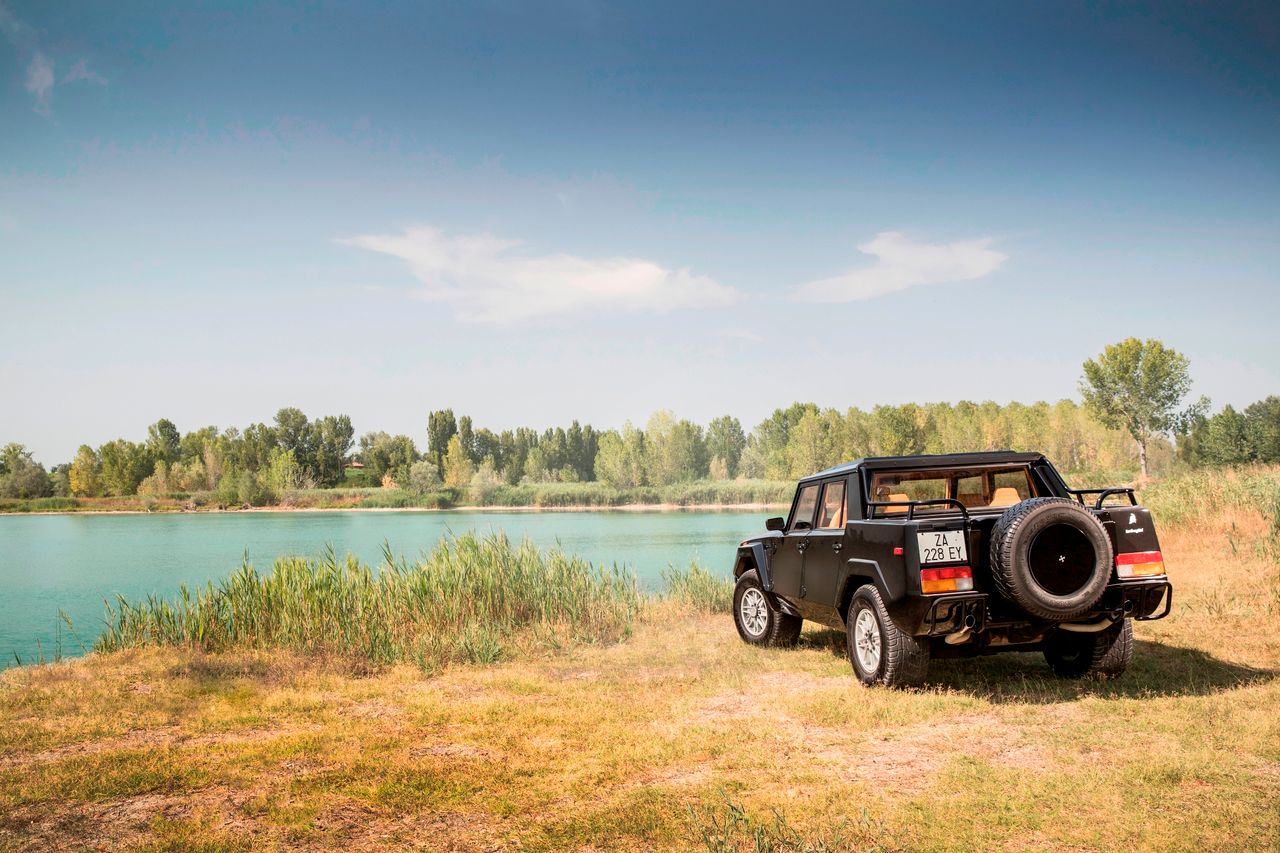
776,523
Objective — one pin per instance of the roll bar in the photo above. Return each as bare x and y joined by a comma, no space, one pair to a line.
911,506
1103,494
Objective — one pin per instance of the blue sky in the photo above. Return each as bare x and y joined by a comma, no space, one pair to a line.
539,212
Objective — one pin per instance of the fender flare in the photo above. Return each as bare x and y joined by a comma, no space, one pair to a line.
754,553
856,567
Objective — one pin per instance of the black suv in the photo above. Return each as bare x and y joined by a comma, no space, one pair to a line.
963,554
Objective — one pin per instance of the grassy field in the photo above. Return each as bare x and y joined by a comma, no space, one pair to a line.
677,737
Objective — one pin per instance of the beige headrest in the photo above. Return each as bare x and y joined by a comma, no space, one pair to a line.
896,497
1005,496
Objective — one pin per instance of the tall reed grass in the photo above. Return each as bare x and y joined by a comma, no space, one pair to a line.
1205,493
698,589
471,599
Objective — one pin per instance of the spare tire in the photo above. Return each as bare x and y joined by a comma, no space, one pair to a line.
1051,557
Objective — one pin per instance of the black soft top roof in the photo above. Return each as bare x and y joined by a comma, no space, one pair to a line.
938,460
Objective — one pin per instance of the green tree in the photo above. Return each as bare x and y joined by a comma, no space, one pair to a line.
441,426
467,435
293,432
424,477
899,430
387,456
1225,439
282,473
256,445
1138,386
332,438
726,441
811,447
1263,419
60,479
620,458
124,466
86,473
773,438
164,442
536,467
20,475
675,450
458,469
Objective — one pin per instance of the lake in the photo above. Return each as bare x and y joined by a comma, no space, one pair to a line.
75,562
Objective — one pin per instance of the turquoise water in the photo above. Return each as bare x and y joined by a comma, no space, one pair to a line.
75,562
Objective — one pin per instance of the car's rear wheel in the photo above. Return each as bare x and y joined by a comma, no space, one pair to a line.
759,622
1102,654
880,651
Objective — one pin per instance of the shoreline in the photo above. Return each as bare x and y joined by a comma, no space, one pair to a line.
659,507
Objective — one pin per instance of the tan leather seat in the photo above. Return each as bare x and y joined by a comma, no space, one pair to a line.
1005,496
896,497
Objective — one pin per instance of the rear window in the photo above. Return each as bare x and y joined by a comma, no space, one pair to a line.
975,488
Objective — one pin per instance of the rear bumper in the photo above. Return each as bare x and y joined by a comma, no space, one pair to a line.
950,613
1141,600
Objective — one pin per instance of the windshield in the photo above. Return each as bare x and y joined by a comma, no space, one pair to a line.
975,488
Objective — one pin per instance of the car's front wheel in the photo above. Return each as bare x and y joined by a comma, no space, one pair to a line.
759,622
880,651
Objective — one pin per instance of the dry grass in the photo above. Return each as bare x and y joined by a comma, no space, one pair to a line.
679,737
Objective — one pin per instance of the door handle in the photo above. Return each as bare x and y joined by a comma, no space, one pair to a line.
802,546
836,546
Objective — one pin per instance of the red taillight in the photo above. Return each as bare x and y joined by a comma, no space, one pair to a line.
1139,564
949,579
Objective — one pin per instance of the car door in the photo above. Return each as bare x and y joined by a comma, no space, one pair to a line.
822,557
786,566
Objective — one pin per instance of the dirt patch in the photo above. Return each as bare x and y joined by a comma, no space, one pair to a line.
125,822
455,750
762,692
374,709
906,759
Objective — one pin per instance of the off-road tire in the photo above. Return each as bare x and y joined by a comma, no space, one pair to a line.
1012,538
903,659
1102,655
779,629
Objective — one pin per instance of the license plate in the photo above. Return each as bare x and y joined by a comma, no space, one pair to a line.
942,546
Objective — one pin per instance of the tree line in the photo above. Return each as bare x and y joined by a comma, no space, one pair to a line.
264,461
1133,404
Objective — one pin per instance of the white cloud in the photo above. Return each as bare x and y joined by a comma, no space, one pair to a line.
40,81
901,264
487,279
80,72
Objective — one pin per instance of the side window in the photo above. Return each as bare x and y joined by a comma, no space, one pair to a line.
806,503
833,507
